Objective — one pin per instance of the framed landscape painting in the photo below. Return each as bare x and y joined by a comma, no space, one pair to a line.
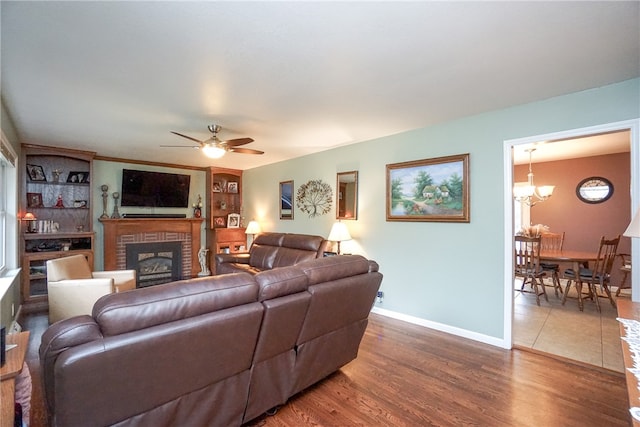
434,190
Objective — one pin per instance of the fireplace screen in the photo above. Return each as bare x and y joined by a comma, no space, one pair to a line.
155,263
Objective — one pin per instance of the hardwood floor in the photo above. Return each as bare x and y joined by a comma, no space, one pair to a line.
407,375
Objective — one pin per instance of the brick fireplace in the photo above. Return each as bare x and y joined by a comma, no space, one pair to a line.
118,233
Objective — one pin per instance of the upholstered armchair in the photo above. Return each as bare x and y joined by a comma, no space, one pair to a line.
73,288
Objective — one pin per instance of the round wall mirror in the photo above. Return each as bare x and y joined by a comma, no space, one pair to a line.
594,189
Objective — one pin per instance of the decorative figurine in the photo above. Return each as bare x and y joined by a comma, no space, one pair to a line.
202,257
105,198
197,208
56,175
59,202
116,213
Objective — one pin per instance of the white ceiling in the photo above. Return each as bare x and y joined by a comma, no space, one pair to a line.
298,77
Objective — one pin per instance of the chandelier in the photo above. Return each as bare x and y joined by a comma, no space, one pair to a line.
529,193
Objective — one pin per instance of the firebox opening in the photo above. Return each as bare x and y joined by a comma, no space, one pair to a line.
155,263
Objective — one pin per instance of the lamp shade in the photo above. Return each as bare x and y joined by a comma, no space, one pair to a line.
633,230
339,233
29,217
253,228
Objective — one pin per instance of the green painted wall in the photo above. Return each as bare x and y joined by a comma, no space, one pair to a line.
447,273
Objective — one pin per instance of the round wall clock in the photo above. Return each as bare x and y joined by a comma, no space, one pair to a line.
595,189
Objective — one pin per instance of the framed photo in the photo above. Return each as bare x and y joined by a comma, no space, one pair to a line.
286,200
219,222
80,204
434,190
232,187
36,173
233,220
216,187
34,200
78,177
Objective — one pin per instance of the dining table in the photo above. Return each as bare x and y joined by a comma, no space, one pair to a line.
577,259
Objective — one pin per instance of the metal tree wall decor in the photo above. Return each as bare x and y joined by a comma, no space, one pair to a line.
315,198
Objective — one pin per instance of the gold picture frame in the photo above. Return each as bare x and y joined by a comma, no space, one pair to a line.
429,190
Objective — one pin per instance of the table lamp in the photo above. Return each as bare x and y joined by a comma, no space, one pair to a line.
31,222
339,233
253,228
633,230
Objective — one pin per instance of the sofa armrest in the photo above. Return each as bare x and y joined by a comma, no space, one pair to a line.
55,340
123,280
242,258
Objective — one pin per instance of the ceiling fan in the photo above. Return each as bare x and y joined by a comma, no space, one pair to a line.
214,147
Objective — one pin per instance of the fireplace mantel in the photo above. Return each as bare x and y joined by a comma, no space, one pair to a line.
116,229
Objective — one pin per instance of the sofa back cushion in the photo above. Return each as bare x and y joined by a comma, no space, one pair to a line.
344,286
68,268
280,282
129,311
272,250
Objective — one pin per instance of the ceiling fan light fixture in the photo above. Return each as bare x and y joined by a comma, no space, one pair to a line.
212,151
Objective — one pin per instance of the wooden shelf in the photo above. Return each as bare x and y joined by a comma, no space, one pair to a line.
37,248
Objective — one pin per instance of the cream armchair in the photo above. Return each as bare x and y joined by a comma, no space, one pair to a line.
73,288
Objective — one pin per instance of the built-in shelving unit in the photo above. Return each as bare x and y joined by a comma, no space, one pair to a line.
56,190
224,197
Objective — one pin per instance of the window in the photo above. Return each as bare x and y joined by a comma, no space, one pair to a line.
8,182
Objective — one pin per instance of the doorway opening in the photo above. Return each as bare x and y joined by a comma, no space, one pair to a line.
558,142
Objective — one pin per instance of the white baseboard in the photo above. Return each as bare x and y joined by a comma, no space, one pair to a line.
498,342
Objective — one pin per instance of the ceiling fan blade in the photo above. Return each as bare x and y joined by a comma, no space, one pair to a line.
197,147
186,136
245,150
236,142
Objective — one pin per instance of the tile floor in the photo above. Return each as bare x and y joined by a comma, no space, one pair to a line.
586,336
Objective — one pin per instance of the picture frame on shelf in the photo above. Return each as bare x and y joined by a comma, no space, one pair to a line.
233,220
36,173
216,187
34,200
286,200
219,222
429,190
78,177
232,187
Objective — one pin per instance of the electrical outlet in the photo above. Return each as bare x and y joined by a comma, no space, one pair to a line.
380,296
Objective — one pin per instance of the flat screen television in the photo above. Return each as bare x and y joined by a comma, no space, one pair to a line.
154,189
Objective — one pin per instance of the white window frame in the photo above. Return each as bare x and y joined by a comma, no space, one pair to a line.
8,206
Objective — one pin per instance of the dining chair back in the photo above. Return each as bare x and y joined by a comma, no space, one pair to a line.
598,276
625,269
552,242
527,264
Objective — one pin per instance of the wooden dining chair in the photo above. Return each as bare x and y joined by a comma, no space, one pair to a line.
625,269
552,242
527,264
598,276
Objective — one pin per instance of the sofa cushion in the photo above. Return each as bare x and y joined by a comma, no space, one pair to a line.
280,282
129,311
302,241
68,268
262,256
335,267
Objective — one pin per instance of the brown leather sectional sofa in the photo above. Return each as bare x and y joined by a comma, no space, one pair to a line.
211,351
273,250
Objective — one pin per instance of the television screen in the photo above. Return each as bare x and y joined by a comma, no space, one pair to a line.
154,189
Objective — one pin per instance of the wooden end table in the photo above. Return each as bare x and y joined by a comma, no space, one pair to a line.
9,372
